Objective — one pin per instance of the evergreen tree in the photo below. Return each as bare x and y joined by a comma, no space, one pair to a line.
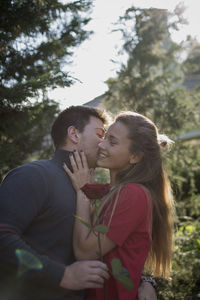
191,65
37,39
150,81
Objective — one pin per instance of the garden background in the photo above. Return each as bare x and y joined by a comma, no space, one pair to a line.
160,78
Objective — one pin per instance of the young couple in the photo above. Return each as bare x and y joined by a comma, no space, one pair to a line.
136,206
38,204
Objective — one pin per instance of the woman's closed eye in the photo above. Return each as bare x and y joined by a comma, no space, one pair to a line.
112,142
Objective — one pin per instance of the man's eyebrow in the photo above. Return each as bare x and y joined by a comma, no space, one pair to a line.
101,128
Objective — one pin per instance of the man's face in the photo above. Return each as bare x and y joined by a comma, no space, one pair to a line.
92,135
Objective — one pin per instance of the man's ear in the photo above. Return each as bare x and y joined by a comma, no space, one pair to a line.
136,157
73,134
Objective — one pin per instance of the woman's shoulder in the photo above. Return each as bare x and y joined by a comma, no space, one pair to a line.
134,187
132,193
136,191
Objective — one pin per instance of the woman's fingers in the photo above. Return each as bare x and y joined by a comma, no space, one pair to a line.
67,170
71,176
84,160
73,162
81,173
78,159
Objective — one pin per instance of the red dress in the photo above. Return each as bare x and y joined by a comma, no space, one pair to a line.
130,229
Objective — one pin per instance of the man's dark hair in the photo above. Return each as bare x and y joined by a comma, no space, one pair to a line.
78,116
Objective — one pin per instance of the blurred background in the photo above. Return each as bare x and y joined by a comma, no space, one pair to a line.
117,55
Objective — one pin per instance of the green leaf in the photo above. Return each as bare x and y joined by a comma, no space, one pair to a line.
121,274
100,228
83,222
116,266
125,281
125,272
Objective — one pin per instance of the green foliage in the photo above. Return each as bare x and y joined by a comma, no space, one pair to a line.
151,68
150,82
36,39
102,175
184,170
100,229
192,63
22,133
185,279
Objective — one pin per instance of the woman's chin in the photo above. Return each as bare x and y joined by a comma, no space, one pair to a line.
101,163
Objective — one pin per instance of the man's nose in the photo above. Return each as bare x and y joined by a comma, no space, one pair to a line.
101,145
101,139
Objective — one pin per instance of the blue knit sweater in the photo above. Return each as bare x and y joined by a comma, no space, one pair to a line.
37,207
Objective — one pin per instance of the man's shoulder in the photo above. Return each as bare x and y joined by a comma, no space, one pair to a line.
31,169
34,165
42,163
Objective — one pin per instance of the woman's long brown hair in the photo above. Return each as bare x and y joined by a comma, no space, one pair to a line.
150,173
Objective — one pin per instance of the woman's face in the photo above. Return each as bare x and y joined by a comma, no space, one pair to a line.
114,153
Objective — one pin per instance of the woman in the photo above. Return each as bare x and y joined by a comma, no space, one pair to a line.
137,206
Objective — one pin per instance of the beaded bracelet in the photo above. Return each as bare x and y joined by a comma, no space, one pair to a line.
150,280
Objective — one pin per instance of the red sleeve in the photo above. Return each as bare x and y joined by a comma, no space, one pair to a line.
133,212
95,191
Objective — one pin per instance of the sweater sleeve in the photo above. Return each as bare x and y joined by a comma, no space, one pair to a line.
22,196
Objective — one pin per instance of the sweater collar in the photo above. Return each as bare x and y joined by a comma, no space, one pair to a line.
61,156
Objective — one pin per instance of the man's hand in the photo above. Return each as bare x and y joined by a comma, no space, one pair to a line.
84,274
146,291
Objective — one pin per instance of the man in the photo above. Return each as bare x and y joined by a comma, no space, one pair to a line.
37,206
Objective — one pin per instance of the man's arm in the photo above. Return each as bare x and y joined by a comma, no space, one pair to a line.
22,195
79,275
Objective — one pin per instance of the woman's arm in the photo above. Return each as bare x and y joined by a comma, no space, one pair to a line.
85,242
